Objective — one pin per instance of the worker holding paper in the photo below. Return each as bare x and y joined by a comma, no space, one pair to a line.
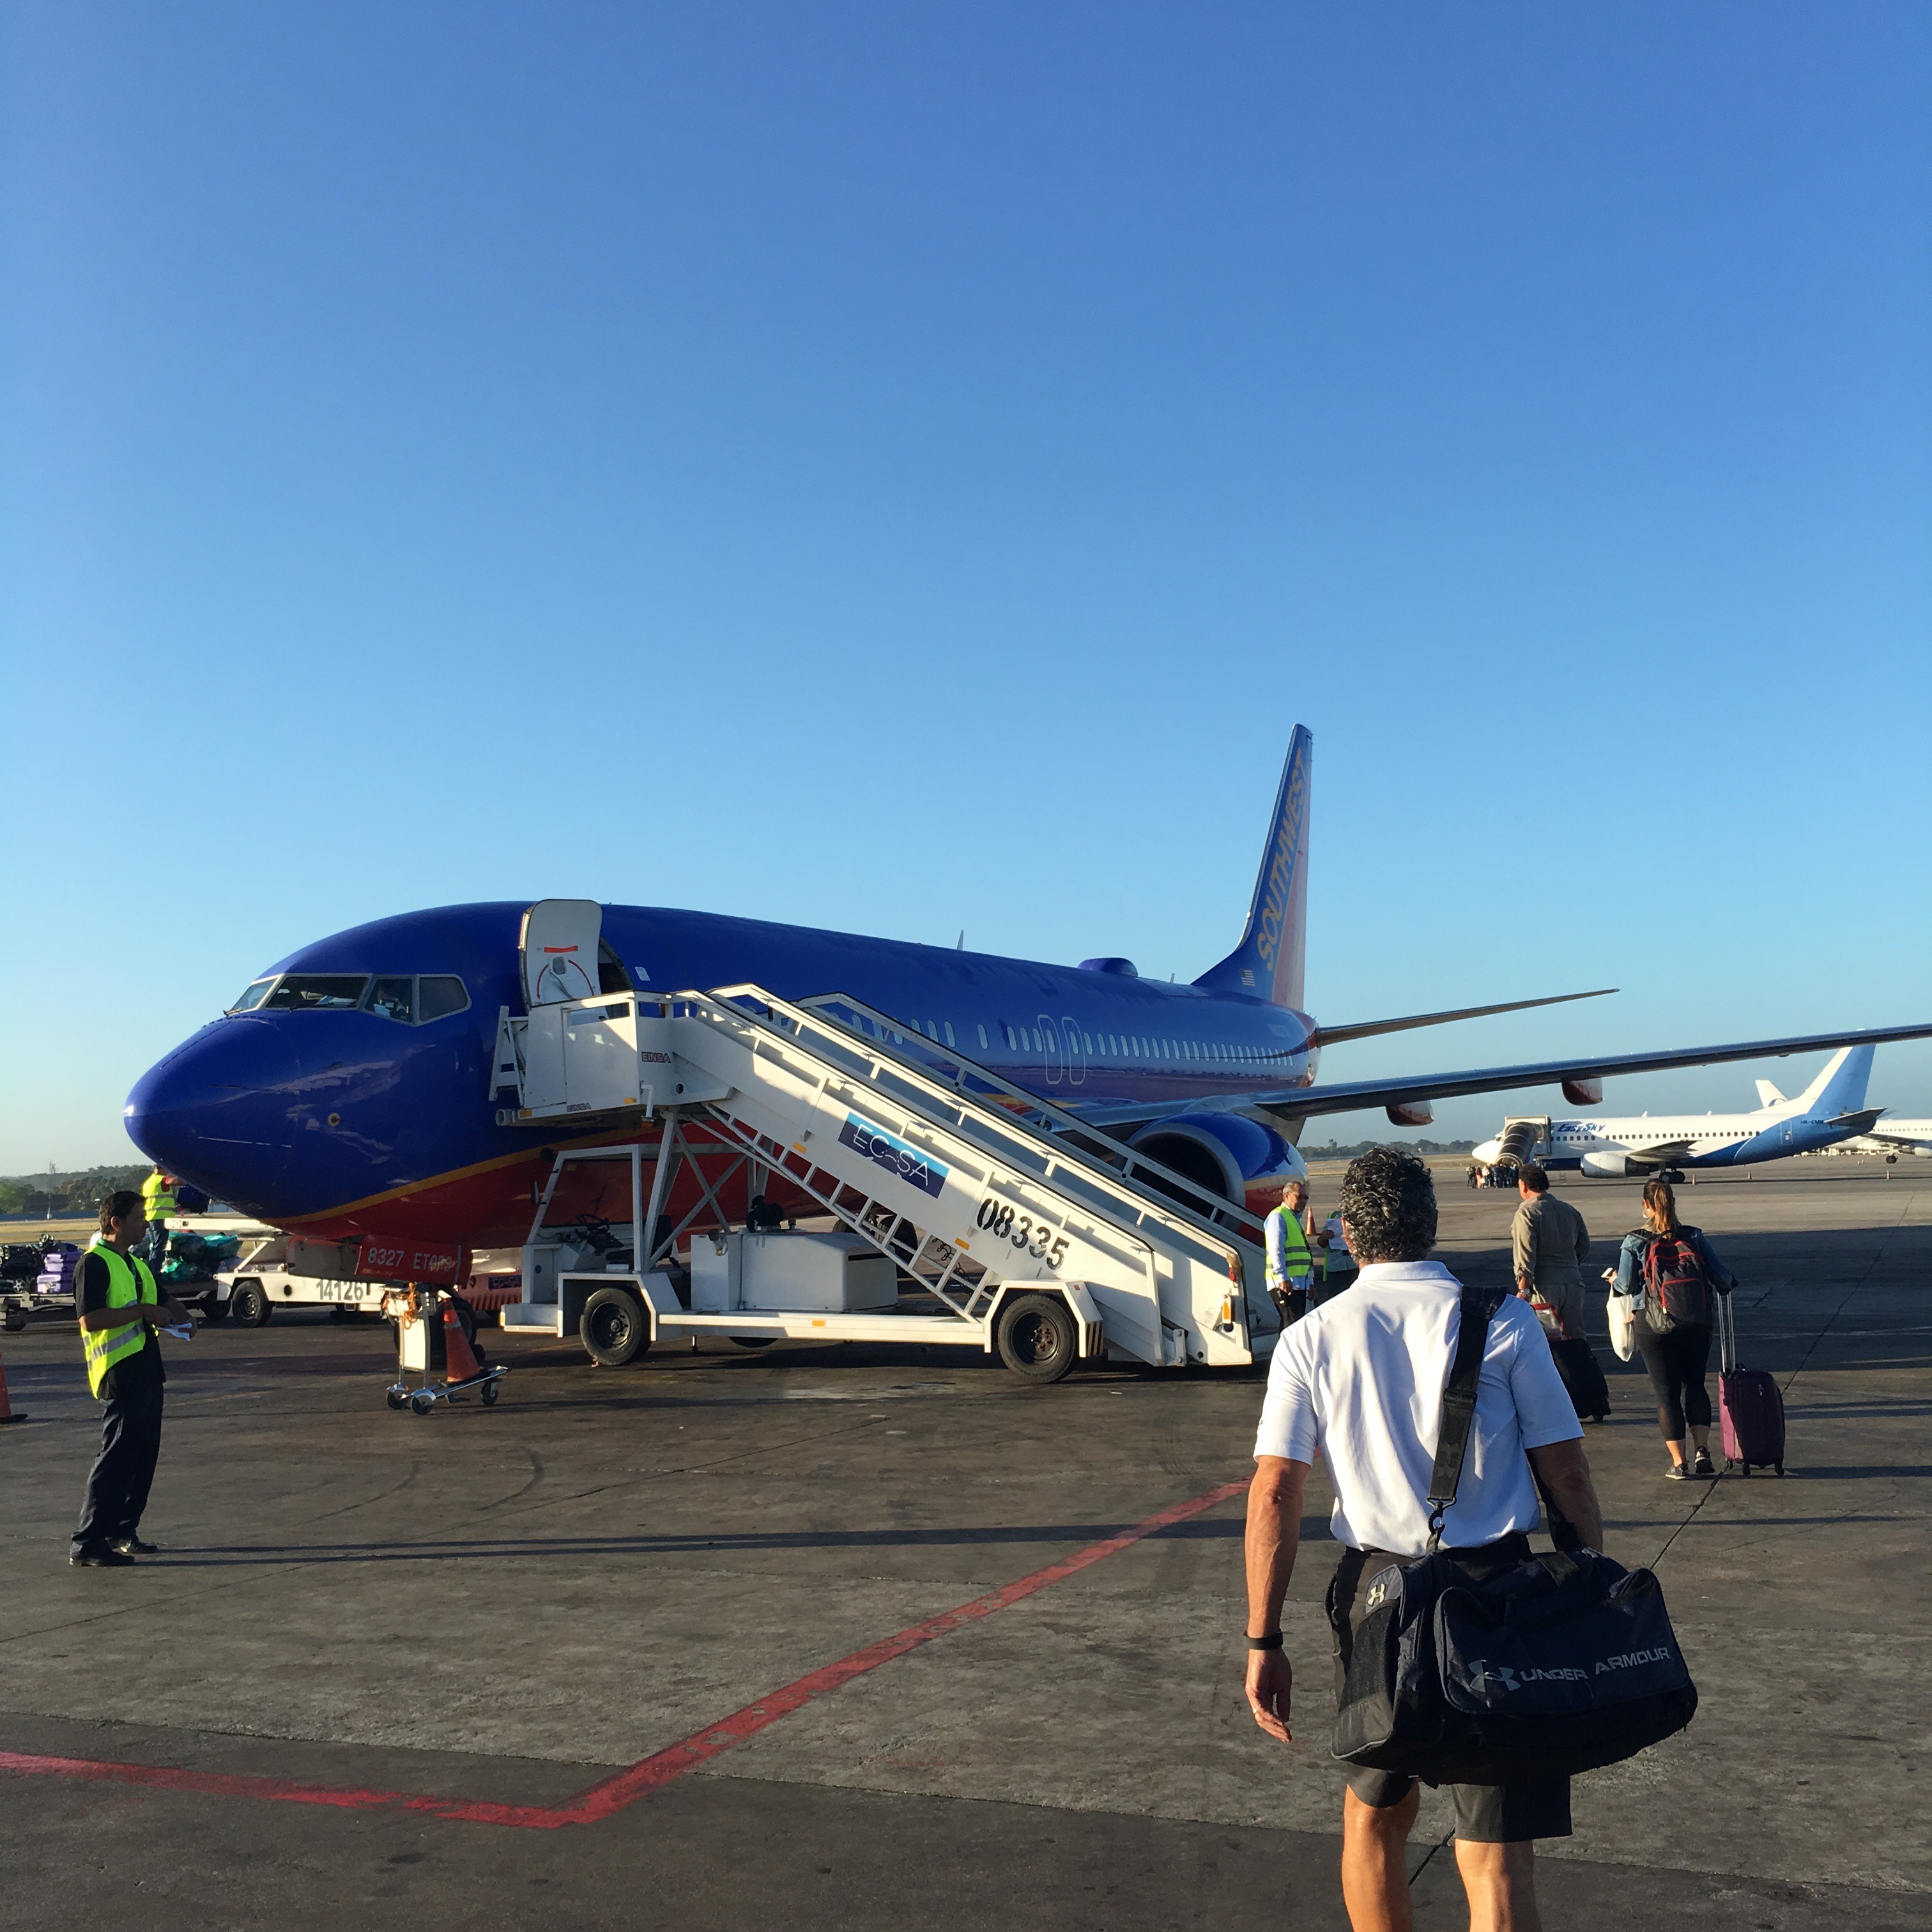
119,1302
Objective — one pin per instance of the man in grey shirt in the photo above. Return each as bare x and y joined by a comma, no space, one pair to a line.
1550,1245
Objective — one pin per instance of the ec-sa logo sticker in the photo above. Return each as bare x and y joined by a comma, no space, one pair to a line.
893,1155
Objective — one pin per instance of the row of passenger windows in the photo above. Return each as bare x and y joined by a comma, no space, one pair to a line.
414,999
1107,1045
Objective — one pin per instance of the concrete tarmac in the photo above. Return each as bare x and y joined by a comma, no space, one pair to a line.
382,1660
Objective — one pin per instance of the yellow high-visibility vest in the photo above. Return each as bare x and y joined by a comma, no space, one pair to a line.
157,1198
129,1280
1300,1262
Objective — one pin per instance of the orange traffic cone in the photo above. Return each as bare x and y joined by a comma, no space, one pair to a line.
8,1413
458,1357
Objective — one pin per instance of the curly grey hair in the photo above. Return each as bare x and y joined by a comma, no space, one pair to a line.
1388,1201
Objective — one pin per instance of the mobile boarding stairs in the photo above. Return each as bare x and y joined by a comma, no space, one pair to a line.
960,1213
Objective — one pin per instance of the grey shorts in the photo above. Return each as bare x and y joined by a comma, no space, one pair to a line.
1486,1814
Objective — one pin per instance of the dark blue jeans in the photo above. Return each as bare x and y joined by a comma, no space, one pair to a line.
118,1484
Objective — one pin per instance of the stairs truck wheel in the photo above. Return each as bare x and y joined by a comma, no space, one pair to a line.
614,1330
422,1402
248,1306
1036,1338
396,1399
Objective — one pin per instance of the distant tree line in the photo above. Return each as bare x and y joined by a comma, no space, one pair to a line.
59,1197
1332,1152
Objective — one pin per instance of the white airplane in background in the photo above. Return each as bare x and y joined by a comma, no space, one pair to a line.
1831,1109
1893,1137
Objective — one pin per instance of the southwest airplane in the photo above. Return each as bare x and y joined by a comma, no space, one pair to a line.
347,1092
1831,1109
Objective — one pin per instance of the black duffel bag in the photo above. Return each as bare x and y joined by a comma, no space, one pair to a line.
1555,1665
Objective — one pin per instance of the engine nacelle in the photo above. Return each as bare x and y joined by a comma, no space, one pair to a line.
1610,1166
1239,1159
1410,1114
1583,1092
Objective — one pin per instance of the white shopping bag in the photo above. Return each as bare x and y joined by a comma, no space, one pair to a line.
1620,1311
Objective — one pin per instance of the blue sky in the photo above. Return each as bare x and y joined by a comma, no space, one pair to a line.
908,467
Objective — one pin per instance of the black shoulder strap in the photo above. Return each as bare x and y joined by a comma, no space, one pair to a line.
1459,1405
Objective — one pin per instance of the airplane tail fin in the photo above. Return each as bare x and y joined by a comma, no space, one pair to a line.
1840,1088
1768,1096
1270,961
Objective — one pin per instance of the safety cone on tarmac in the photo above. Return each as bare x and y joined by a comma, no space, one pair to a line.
7,1411
458,1356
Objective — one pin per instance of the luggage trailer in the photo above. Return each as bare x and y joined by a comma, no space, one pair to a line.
951,1212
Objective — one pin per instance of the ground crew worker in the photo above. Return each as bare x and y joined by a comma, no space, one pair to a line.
117,1300
157,1202
1291,1265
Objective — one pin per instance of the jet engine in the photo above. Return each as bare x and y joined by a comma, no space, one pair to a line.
1583,1092
1410,1114
1239,1159
1611,1166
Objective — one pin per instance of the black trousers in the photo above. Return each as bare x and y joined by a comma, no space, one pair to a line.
124,1471
1678,1363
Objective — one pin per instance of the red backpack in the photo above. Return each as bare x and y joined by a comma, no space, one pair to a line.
1676,1292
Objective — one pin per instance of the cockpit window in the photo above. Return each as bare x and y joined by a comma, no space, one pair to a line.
438,993
252,995
394,999
316,992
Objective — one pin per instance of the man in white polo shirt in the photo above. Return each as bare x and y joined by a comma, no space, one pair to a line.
1361,1380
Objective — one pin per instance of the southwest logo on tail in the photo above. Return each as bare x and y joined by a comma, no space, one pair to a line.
1271,959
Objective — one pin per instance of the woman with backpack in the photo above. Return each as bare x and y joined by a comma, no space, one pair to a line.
1675,1269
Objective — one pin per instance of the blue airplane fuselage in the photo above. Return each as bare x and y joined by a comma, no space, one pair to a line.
343,1123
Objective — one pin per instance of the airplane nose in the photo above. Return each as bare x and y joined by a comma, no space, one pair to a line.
215,1111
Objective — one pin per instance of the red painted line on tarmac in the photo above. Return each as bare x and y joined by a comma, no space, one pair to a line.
216,1784
613,1794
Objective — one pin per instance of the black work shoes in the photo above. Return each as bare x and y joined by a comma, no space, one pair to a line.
133,1545
100,1559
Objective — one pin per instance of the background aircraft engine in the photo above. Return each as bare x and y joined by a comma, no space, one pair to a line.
1410,1114
1583,1092
1240,1159
1611,1166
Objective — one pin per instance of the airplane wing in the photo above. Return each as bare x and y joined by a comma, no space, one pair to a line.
1660,1155
1306,1102
1894,1140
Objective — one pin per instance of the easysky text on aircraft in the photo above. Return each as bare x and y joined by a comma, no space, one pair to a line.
347,1093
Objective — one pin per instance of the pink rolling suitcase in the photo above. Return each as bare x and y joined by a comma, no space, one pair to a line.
1750,1406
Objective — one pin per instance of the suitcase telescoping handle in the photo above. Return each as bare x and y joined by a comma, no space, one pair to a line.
1727,1335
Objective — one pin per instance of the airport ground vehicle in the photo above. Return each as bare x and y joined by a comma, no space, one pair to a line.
945,1216
249,1289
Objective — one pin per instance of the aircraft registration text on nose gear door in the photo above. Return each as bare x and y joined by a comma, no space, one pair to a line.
1028,1232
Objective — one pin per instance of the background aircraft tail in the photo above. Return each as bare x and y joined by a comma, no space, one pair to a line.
1270,961
1840,1088
1768,1096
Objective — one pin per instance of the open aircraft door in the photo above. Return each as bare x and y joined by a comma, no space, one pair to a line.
557,948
